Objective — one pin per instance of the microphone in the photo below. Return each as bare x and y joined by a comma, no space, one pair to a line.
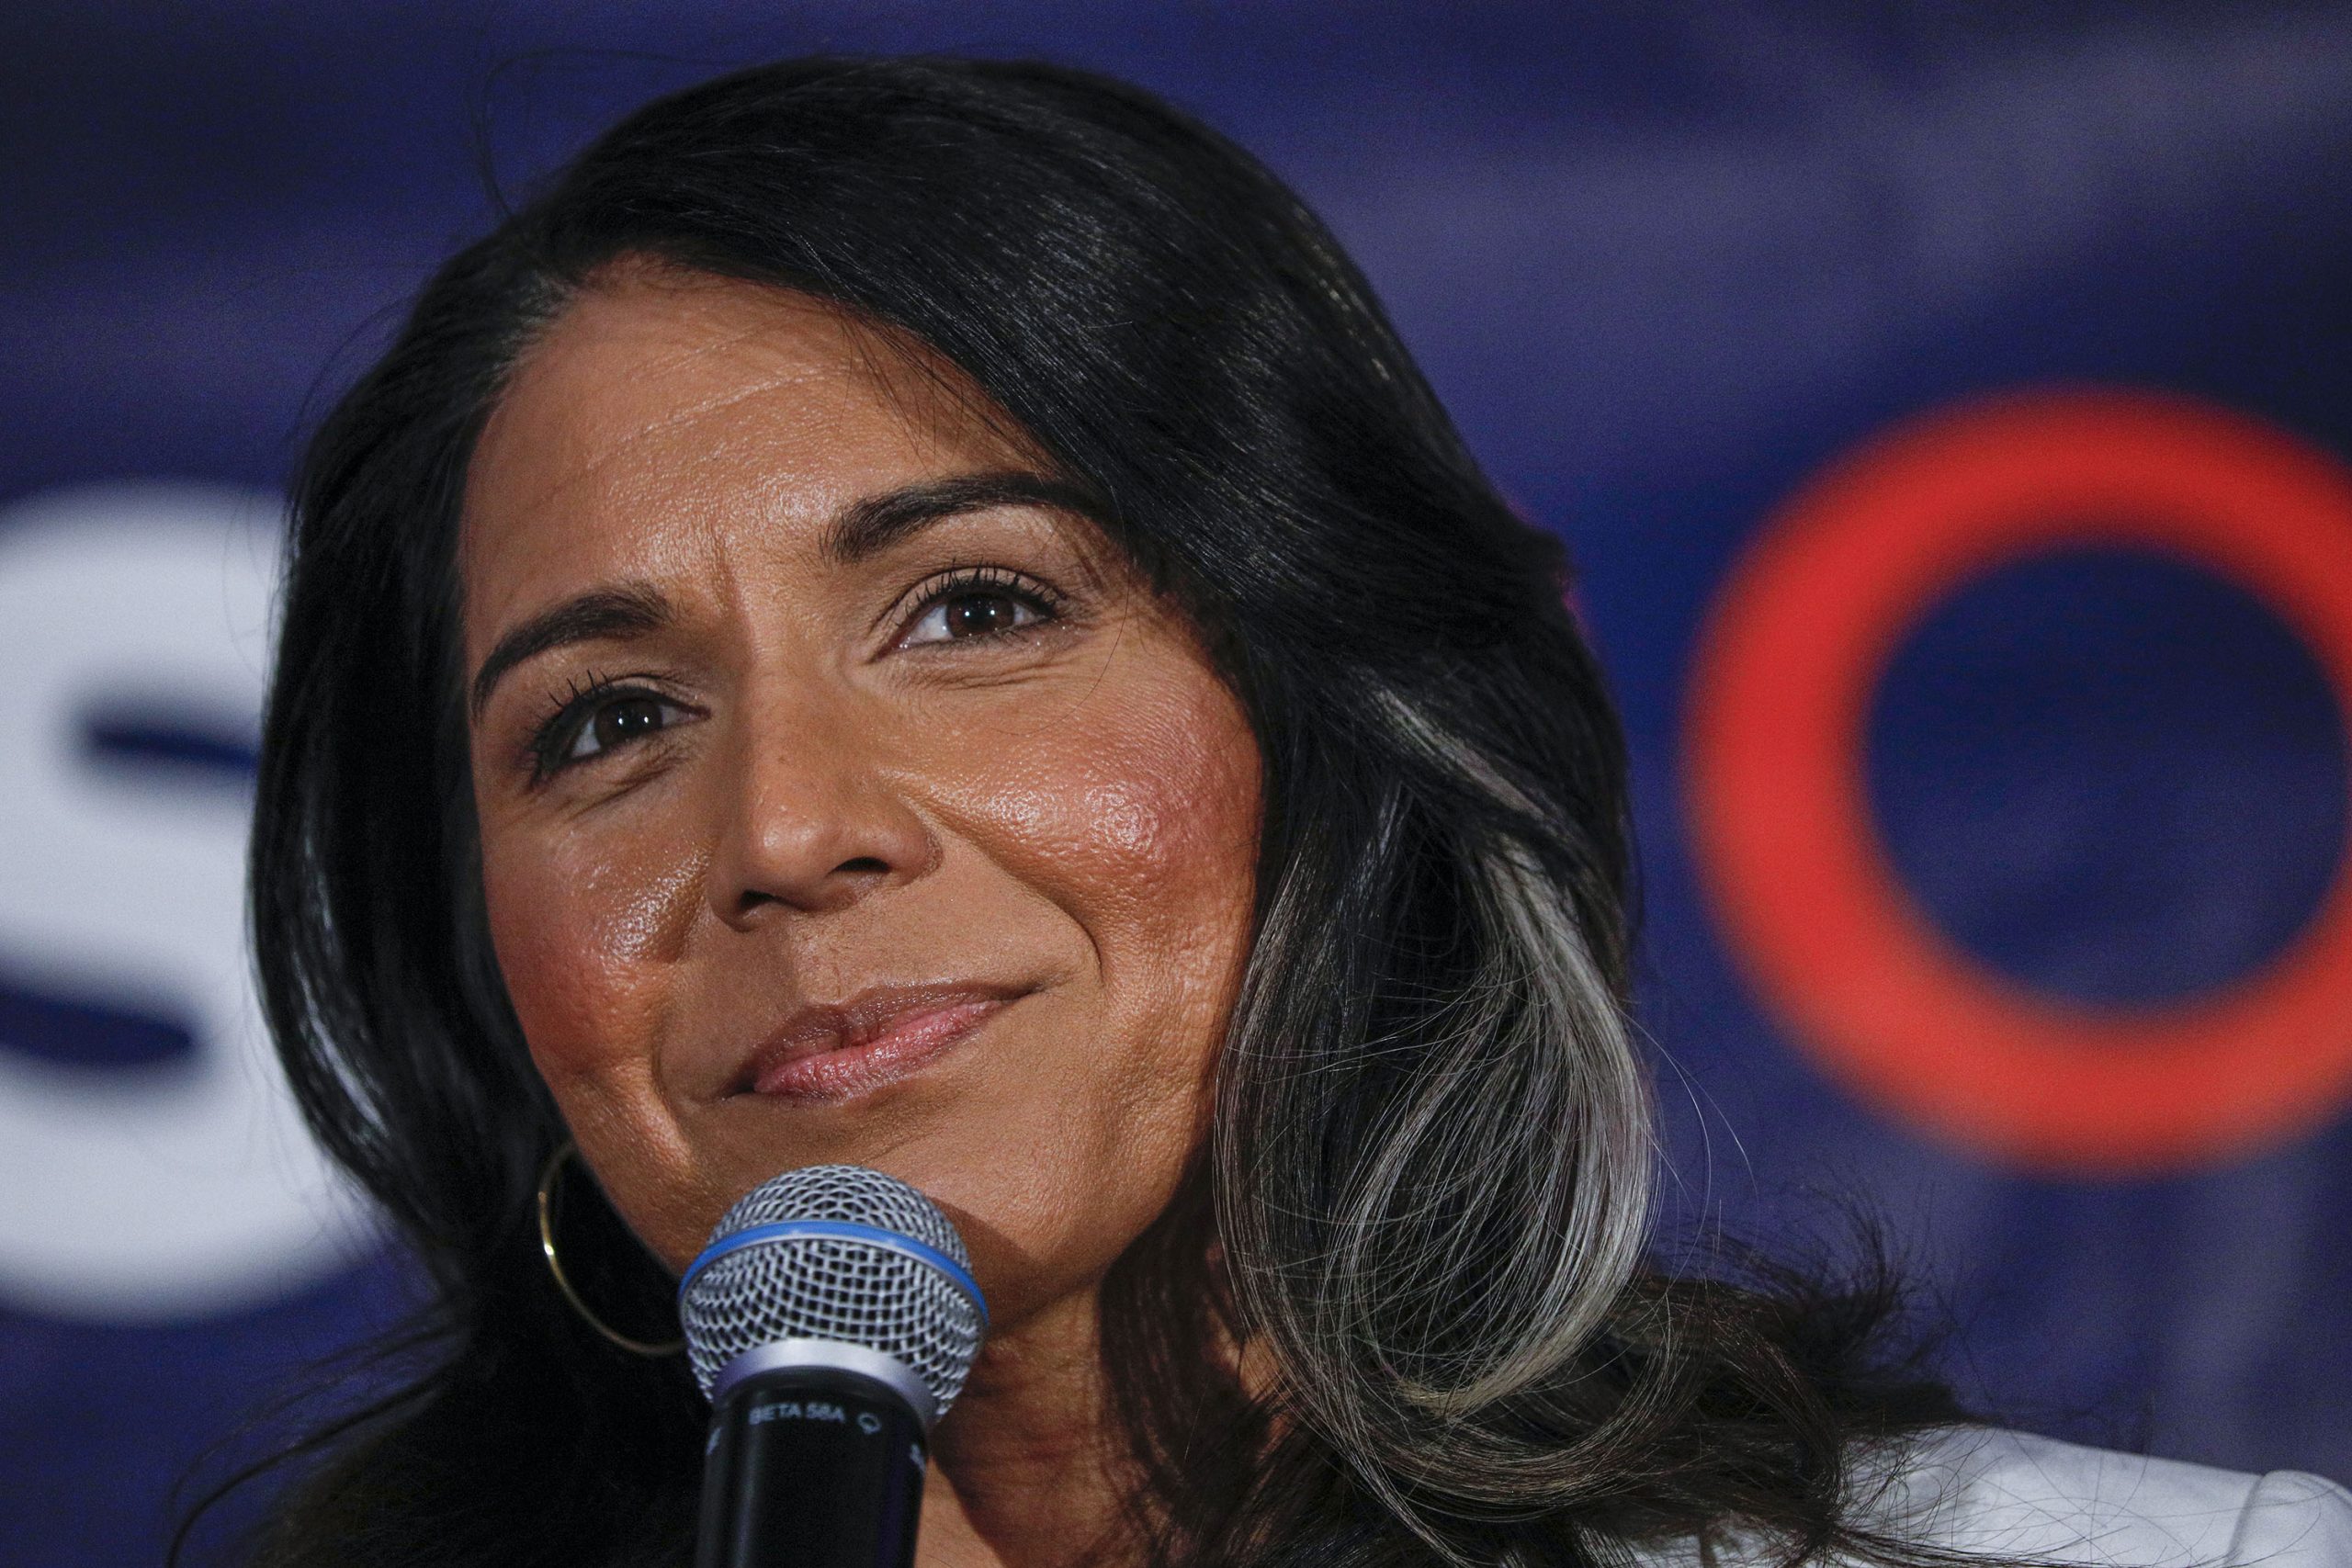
830,1320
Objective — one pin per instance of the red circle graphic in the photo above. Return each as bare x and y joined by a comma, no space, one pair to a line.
1795,649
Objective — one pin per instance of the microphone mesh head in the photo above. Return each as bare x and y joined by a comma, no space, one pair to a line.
837,1287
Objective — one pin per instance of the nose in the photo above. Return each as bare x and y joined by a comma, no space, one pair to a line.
812,823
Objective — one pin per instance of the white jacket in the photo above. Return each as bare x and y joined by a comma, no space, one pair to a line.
2009,1495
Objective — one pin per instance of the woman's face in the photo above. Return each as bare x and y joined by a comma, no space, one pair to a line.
843,795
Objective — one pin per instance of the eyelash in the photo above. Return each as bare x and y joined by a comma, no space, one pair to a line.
568,711
1041,597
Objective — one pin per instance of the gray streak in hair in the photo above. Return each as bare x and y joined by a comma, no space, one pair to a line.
1521,1112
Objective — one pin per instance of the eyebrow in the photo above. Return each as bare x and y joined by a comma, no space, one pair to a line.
874,524
864,529
630,609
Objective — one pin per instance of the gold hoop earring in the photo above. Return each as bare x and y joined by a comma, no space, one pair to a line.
555,1264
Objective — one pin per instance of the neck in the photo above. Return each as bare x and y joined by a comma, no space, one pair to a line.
1029,1468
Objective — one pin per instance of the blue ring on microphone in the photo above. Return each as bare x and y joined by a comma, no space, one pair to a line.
839,1230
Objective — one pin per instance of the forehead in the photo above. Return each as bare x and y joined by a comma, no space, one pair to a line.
663,409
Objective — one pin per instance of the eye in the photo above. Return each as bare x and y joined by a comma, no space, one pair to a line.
603,718
981,603
616,723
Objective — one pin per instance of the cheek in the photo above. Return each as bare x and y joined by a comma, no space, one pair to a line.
1137,815
584,926
1142,820
1165,843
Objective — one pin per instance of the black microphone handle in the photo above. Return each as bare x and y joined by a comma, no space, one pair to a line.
810,1467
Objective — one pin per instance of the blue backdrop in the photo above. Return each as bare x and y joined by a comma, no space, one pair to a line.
1665,263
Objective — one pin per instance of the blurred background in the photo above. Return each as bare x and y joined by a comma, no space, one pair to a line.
2051,972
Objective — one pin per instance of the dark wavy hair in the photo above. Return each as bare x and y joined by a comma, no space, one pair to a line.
1426,1192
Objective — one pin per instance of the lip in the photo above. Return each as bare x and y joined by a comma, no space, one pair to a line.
836,1052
